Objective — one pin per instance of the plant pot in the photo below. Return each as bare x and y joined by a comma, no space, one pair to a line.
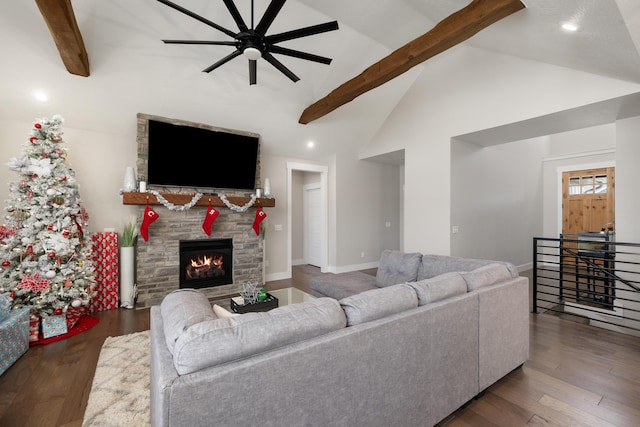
127,276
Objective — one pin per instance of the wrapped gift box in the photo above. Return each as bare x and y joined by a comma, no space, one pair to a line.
54,325
105,256
14,335
73,315
34,327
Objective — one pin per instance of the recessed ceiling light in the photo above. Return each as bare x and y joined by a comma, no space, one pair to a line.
311,144
570,26
40,96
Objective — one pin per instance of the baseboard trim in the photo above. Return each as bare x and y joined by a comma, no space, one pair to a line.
353,267
277,276
525,267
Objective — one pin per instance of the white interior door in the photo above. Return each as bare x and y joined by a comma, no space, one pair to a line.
312,224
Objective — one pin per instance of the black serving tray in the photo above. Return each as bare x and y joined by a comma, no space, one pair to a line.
268,304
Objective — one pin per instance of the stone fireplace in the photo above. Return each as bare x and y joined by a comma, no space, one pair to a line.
158,264
158,260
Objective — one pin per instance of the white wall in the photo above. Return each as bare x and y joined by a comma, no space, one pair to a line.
628,180
452,98
496,199
368,198
99,161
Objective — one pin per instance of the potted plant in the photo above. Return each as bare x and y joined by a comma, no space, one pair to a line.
127,264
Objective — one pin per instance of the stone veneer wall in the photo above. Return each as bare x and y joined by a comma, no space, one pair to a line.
157,260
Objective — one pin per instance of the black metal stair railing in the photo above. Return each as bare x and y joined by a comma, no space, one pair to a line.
592,277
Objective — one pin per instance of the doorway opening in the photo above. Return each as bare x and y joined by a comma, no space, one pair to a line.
308,230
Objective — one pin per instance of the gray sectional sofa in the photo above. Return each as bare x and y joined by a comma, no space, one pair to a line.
405,354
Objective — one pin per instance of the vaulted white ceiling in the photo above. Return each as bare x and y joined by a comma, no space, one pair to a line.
133,71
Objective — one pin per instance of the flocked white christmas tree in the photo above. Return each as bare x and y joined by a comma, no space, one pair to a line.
44,252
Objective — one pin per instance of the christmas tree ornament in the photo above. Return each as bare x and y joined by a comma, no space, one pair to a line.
50,274
37,126
260,216
211,216
58,312
51,192
76,303
52,255
149,217
6,263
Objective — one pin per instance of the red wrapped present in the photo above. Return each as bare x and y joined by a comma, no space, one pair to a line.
105,256
34,327
73,315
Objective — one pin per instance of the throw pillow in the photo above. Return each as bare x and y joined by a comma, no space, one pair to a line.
397,267
486,275
378,303
438,288
222,312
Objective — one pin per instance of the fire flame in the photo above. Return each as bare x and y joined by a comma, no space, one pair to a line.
201,262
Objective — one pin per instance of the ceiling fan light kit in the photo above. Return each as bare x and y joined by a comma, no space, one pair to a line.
253,43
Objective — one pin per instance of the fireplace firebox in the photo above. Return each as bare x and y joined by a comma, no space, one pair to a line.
206,263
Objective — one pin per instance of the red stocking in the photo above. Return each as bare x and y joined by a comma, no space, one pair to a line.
260,216
149,216
211,216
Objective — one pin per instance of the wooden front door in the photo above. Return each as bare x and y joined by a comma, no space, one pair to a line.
588,200
587,206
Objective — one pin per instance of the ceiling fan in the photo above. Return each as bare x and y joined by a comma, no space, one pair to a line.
252,42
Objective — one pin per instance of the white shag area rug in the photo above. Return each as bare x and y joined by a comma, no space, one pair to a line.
120,390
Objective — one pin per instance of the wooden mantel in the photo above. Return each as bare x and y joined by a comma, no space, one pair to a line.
183,199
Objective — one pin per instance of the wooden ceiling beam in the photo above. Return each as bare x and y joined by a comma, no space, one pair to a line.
59,16
454,29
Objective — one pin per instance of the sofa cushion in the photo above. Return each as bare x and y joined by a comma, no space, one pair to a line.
342,285
218,341
435,265
181,309
397,267
438,288
486,275
377,303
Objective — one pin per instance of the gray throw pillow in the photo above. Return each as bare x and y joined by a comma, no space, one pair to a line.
378,303
438,288
397,267
182,309
486,275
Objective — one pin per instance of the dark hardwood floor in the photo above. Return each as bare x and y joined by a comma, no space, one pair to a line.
577,375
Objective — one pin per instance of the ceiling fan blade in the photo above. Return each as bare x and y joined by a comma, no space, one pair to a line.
217,43
222,61
303,32
284,70
269,15
198,17
299,54
233,10
253,71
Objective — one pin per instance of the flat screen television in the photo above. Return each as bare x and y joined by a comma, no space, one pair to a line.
189,156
